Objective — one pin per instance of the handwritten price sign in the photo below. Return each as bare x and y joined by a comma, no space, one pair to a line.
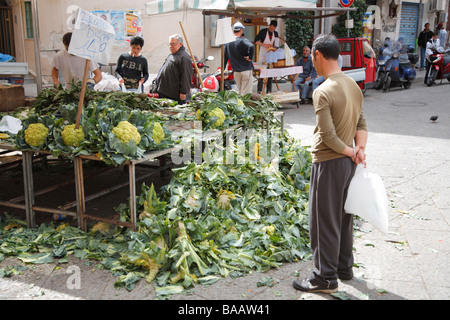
92,37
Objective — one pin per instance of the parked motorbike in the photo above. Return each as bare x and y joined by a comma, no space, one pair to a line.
439,66
212,81
384,54
400,70
200,65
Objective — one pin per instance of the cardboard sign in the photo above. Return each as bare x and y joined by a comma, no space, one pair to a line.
224,31
92,37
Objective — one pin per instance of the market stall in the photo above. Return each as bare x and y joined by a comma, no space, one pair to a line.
99,119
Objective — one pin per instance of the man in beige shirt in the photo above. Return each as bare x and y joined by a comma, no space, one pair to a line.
339,142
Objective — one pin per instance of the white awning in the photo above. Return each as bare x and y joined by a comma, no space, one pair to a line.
164,6
266,4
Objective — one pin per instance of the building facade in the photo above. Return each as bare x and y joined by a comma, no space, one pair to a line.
37,46
397,18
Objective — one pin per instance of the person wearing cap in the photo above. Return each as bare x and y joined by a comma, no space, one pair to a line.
267,38
239,55
442,33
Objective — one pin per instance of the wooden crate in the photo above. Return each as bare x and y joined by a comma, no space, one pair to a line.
11,97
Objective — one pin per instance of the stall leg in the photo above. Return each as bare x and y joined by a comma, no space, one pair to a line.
132,178
162,163
79,190
27,160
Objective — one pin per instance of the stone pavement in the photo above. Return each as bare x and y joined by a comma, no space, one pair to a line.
405,148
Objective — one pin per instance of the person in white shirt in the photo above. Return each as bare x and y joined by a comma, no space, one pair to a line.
72,67
432,43
442,35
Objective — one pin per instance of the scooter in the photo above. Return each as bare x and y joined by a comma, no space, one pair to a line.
212,81
439,66
399,71
384,54
200,65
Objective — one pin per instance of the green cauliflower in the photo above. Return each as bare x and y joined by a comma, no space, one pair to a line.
158,133
125,132
217,112
35,134
72,137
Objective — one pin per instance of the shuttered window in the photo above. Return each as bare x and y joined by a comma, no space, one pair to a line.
28,20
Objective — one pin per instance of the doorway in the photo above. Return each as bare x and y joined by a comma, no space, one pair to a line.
6,29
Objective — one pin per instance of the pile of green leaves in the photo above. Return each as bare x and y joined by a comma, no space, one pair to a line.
97,121
211,220
227,219
247,109
49,100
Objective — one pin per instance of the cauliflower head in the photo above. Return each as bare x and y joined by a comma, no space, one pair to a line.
125,132
217,112
224,198
72,137
158,133
35,134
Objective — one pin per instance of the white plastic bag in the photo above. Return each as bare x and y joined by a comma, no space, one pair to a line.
367,198
140,88
10,124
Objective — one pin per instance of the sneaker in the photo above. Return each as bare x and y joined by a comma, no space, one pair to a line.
307,285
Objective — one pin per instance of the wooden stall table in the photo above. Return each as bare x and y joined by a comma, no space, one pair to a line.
265,73
80,201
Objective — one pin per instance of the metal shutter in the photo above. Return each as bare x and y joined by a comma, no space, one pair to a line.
408,23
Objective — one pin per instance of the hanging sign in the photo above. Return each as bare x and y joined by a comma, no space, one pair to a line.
346,3
92,37
224,31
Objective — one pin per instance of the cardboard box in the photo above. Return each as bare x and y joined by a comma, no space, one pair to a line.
11,97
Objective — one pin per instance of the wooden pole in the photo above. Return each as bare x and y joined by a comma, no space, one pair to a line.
83,90
222,71
192,56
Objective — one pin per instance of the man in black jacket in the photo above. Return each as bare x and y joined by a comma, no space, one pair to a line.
239,55
424,37
175,76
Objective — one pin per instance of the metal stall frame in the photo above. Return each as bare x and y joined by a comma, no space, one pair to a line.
80,214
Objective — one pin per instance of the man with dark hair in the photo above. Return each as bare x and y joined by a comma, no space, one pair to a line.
339,142
132,66
266,39
424,36
239,54
175,76
72,67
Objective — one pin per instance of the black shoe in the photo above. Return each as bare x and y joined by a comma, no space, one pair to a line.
307,285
